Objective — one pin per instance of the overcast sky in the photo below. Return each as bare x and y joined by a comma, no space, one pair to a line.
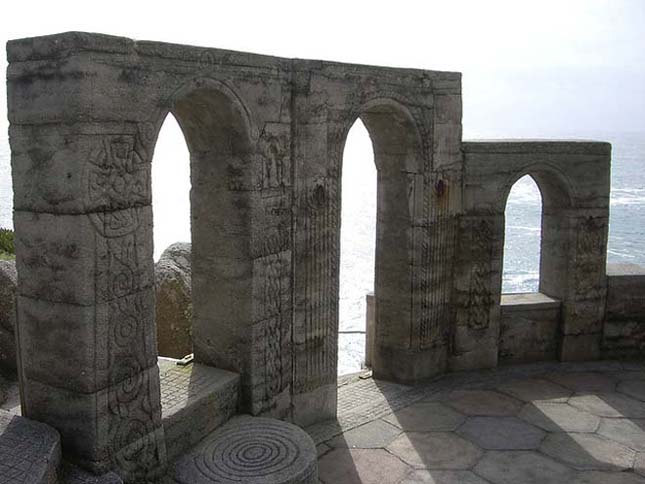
531,68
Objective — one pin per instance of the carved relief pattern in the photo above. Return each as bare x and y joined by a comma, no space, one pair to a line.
117,182
590,247
117,175
479,297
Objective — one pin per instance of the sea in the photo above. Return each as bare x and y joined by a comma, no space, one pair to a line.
523,213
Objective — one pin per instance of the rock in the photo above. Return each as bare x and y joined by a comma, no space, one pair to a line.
8,284
174,301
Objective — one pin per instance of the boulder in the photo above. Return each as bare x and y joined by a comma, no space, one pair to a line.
8,285
174,301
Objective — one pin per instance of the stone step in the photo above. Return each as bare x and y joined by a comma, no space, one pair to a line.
251,450
195,400
30,451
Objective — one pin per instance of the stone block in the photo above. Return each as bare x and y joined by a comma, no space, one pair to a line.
408,366
195,400
30,451
59,346
529,328
84,259
100,172
580,347
100,429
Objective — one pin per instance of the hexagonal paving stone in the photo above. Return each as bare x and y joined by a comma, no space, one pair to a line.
536,389
502,433
630,433
442,477
349,466
521,467
612,405
588,451
633,388
584,382
599,477
639,464
483,403
373,435
559,417
426,417
435,450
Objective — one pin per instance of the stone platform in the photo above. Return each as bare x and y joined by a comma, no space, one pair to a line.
547,423
30,452
195,400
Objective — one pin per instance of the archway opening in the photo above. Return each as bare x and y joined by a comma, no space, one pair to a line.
172,237
522,240
357,248
399,196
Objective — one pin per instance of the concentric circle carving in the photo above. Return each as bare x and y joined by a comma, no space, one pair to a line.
256,450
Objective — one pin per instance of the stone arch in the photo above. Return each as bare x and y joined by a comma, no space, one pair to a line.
221,139
398,155
558,202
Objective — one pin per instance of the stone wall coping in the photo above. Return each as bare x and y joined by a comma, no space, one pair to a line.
528,301
66,43
625,270
529,146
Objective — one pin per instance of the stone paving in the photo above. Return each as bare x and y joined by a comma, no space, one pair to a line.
547,423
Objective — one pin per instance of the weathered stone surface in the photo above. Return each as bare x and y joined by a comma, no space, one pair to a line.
8,287
629,432
513,467
30,452
588,452
584,382
536,389
483,402
528,328
559,417
253,450
195,400
501,433
435,450
70,474
426,416
639,464
174,305
609,405
633,388
369,466
376,434
598,477
442,477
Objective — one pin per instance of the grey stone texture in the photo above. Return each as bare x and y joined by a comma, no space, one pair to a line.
624,329
253,450
174,302
195,400
30,452
561,443
528,328
266,138
8,287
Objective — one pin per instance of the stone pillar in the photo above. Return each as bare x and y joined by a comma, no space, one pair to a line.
83,226
370,328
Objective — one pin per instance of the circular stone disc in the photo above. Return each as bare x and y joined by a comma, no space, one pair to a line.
252,450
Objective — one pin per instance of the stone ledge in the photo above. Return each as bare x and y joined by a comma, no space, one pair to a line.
537,146
528,301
